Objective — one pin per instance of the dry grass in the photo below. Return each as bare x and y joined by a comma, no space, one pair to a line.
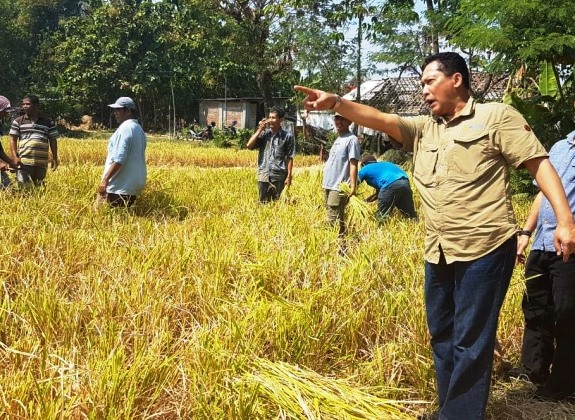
181,307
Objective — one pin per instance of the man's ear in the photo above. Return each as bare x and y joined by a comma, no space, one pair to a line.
457,79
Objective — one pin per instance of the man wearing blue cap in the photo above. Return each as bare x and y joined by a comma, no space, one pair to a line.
125,172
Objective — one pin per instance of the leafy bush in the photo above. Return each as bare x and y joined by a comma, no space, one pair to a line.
399,157
522,182
244,135
221,139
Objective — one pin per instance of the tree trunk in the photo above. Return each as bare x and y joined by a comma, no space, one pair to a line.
434,35
265,85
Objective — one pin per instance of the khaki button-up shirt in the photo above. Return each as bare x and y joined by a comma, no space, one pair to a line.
461,173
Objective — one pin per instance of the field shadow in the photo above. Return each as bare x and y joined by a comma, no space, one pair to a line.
515,400
159,205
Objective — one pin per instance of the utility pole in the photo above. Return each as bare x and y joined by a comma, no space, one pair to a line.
358,69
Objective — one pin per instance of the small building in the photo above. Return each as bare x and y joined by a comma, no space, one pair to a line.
246,111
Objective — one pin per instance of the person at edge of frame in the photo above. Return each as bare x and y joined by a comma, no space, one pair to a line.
548,347
7,162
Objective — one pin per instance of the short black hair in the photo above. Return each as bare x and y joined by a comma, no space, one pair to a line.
449,64
34,100
279,112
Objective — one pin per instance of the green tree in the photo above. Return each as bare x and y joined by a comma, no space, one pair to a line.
539,54
141,49
15,57
321,55
407,34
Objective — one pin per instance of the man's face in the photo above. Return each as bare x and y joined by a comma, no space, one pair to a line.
341,124
439,91
28,107
3,113
122,114
275,121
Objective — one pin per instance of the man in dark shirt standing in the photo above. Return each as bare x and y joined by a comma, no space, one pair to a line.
547,354
32,138
275,159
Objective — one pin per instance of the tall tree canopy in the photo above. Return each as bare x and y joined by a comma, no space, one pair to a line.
82,54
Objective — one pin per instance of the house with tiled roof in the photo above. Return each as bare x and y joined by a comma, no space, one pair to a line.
402,96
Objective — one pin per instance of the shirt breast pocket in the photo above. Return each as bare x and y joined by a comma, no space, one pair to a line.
425,162
469,155
279,150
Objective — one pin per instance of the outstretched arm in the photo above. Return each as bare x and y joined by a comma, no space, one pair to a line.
364,115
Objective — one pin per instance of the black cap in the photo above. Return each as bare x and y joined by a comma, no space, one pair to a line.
368,159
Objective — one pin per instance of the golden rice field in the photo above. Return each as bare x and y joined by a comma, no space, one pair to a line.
202,304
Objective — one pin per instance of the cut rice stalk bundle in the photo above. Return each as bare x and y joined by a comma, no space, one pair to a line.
303,393
358,211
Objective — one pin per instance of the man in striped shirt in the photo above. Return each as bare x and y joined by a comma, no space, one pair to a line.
32,138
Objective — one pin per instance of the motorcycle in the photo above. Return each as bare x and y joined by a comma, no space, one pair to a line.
204,135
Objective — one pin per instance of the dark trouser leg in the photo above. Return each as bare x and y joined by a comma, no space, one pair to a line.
463,301
562,376
385,203
270,190
120,200
537,348
399,195
278,187
265,191
27,174
404,200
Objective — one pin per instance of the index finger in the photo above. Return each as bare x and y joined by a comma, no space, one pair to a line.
304,89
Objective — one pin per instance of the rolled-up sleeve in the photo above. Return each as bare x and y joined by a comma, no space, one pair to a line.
516,139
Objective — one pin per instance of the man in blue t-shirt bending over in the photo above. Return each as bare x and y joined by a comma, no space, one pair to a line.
391,185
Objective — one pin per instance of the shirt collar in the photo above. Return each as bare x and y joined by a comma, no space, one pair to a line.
467,110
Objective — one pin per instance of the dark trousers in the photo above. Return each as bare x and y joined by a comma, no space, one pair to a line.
120,200
549,311
27,174
463,300
270,191
399,195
